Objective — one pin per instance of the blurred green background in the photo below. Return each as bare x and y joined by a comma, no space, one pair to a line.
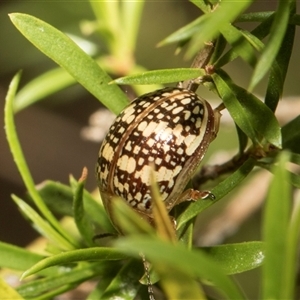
50,130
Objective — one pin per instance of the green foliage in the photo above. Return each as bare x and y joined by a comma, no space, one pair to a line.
74,256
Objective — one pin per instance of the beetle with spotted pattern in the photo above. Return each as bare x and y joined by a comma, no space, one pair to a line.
168,130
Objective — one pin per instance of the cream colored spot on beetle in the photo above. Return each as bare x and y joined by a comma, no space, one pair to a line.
176,119
177,110
177,132
165,174
141,161
128,146
120,187
126,163
116,181
126,186
130,119
108,152
128,112
187,114
142,126
166,148
150,142
171,107
136,149
146,104
138,196
158,161
192,143
144,175
198,123
167,158
180,151
186,101
196,110
121,130
149,129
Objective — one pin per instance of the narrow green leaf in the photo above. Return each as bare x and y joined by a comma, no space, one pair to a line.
272,47
207,27
239,43
275,228
42,226
161,76
294,180
7,292
295,158
17,258
243,140
194,264
203,5
279,69
177,285
219,192
90,254
238,258
232,54
42,86
52,294
224,13
291,135
81,219
16,150
126,284
235,108
255,16
66,279
63,203
110,273
290,271
131,25
248,112
69,56
20,259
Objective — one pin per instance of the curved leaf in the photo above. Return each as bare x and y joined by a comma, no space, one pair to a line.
279,69
193,263
161,76
75,61
15,147
90,254
239,43
125,284
7,292
275,228
63,280
291,135
42,226
207,27
238,258
41,87
272,47
248,112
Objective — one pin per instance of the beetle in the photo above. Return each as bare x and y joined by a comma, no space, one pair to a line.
168,130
